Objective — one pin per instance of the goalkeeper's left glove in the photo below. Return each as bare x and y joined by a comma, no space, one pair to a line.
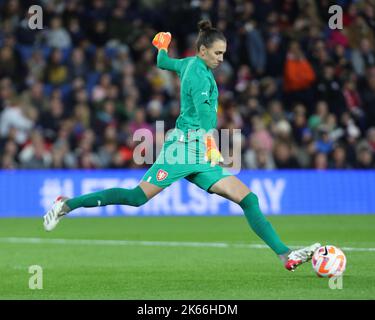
213,154
162,40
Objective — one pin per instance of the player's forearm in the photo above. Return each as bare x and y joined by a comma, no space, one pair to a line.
207,120
167,63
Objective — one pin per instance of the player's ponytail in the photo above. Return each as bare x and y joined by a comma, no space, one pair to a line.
204,25
207,34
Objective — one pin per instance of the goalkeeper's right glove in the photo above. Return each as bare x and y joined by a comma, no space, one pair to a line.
162,40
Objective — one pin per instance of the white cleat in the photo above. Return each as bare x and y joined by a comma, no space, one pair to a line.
297,257
55,214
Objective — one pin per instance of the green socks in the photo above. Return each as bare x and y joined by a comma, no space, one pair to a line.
260,225
136,197
131,197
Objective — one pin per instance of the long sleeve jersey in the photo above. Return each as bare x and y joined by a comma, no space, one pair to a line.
198,92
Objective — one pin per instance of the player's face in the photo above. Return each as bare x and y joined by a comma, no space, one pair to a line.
214,55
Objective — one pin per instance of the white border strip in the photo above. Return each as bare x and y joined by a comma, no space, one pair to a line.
16,240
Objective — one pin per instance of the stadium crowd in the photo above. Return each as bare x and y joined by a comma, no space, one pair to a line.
73,93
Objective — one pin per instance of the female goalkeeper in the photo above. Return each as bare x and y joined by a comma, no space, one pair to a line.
193,142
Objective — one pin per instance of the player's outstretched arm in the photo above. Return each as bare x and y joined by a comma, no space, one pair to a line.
161,42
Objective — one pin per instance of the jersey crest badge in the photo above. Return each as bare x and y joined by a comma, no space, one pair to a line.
161,175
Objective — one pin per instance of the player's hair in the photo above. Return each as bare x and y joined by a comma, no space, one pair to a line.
208,35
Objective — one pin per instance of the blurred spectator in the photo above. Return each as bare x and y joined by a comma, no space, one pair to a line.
255,47
364,157
100,91
320,117
76,33
139,121
57,36
97,10
275,54
324,143
98,33
368,13
105,116
62,157
14,116
11,64
283,131
371,138
243,77
358,30
342,56
121,59
154,109
82,120
299,75
363,56
78,66
261,134
320,161
11,12
35,154
100,62
283,156
275,113
7,162
329,89
56,72
10,153
368,97
258,157
353,102
85,154
36,65
107,153
35,96
51,118
339,158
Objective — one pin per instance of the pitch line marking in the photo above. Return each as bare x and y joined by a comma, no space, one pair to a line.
152,243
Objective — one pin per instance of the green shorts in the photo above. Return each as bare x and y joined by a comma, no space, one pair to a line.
184,159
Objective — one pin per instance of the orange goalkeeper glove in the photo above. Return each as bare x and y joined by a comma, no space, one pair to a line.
162,40
213,154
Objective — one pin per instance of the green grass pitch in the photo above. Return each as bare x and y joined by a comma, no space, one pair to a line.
179,258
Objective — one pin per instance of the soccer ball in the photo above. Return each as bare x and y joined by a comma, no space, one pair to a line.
329,261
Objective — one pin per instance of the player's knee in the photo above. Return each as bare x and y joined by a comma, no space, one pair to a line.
139,202
139,197
254,197
250,200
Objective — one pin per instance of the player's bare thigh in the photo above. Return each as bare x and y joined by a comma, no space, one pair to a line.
149,189
231,188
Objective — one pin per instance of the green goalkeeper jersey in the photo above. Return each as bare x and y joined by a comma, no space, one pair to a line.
198,92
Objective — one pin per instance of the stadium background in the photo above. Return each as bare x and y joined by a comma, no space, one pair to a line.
73,93
303,95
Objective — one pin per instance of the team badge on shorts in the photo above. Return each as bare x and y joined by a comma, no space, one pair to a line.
161,175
